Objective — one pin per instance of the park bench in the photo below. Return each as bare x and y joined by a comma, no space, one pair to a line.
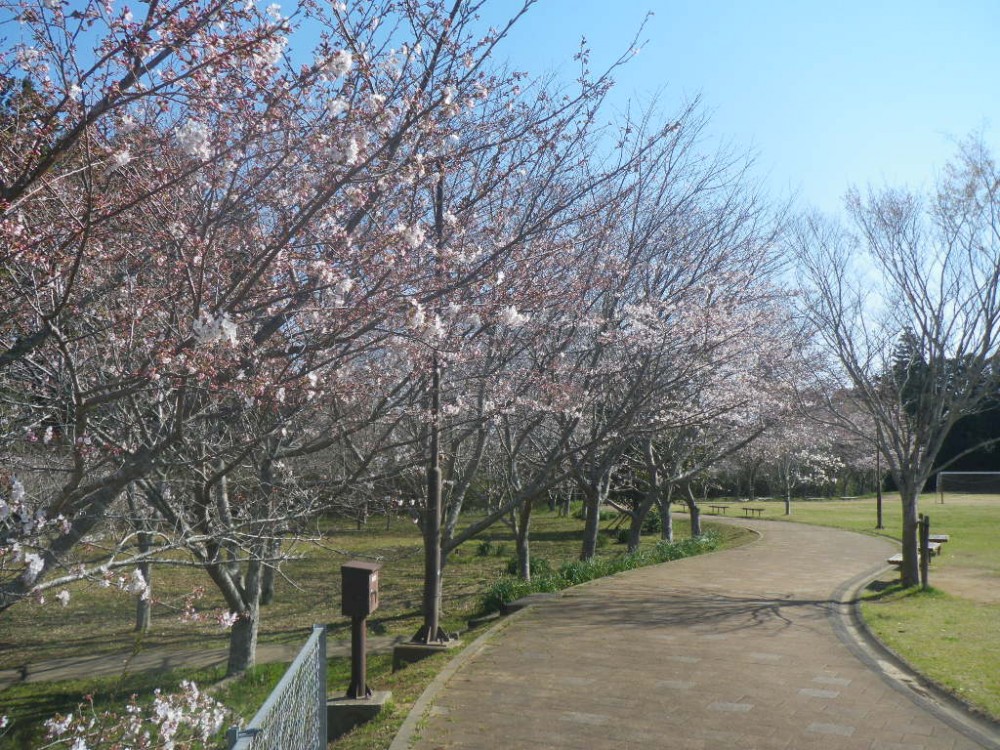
748,510
933,547
717,509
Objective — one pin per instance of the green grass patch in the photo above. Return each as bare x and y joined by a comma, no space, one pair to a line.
951,634
951,640
508,588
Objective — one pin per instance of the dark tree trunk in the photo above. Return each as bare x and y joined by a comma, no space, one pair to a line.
649,499
695,512
910,569
592,524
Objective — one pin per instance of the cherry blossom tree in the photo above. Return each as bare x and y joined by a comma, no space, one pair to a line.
685,319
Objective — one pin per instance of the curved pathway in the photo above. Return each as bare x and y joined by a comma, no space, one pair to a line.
740,649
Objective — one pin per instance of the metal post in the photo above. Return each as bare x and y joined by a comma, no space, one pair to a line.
925,530
359,661
878,477
324,737
431,632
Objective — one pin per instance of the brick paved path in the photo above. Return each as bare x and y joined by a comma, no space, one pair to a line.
737,649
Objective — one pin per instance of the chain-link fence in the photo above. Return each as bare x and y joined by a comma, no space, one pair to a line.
294,716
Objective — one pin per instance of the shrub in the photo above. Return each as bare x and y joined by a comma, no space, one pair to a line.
508,588
537,566
651,523
489,548
604,514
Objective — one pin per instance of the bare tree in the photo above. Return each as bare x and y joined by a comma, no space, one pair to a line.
905,311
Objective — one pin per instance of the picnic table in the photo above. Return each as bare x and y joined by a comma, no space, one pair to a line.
748,510
717,509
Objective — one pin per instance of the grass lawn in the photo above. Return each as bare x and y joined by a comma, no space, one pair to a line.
99,621
952,632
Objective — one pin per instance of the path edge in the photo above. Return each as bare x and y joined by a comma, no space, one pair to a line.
897,672
404,736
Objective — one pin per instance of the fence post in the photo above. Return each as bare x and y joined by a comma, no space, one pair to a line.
925,529
323,738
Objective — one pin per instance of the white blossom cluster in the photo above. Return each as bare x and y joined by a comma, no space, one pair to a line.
175,720
337,106
413,236
335,66
209,330
270,51
194,140
346,152
511,318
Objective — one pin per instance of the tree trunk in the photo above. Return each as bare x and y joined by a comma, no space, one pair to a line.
592,524
270,573
523,541
635,528
910,569
649,499
226,516
243,637
666,517
243,642
144,604
788,502
695,512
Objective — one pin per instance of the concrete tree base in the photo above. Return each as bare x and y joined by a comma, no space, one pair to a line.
343,714
408,653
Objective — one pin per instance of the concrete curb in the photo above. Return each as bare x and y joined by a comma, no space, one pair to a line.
898,673
407,731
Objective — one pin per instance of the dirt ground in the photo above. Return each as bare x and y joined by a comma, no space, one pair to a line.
976,585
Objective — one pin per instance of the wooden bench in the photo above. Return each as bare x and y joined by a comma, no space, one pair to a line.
748,510
934,548
717,509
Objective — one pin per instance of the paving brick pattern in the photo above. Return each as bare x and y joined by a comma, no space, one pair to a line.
730,650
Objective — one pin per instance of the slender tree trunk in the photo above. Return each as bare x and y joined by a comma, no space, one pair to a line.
641,511
226,516
666,517
636,519
523,540
270,573
592,498
144,604
695,512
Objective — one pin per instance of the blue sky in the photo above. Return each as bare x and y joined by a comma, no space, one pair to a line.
826,94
